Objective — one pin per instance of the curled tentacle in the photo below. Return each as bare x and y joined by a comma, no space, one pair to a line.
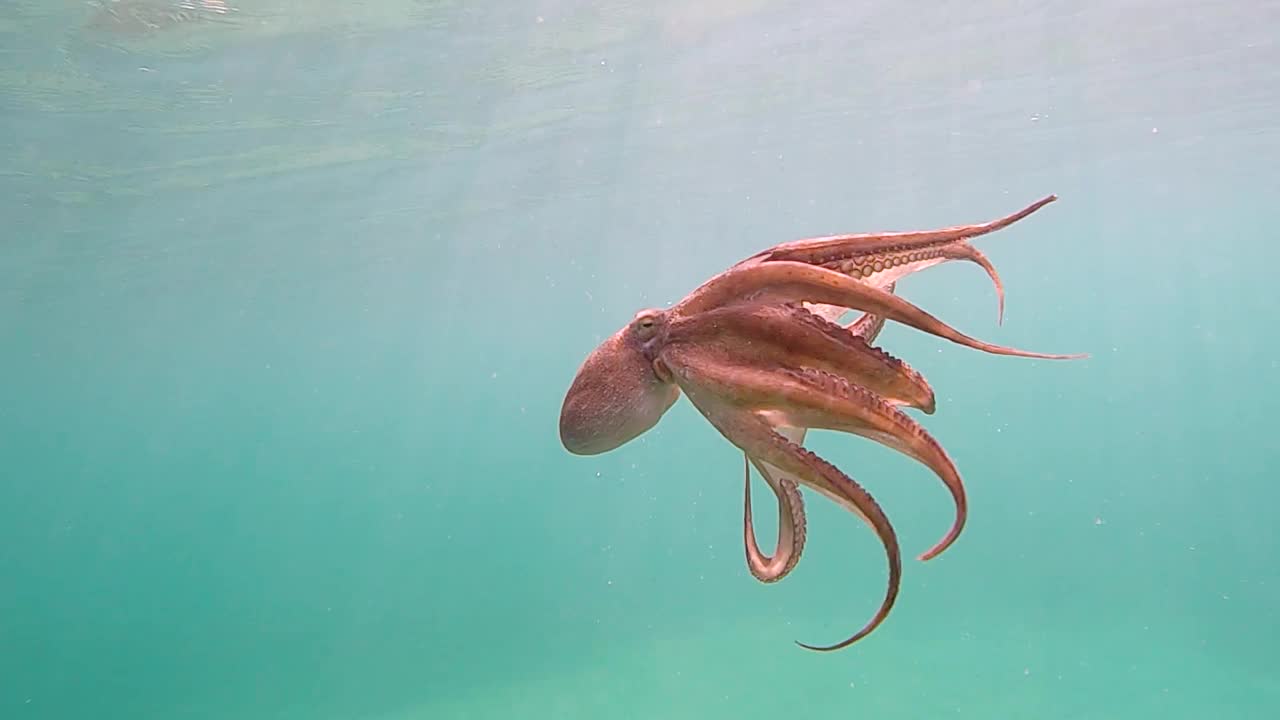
965,251
754,436
745,404
808,398
791,524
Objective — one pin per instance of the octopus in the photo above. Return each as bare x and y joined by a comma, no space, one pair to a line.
760,352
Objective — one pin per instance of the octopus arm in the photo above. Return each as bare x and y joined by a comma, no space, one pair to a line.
808,398
782,282
707,384
819,250
816,399
869,325
791,521
792,336
790,504
965,251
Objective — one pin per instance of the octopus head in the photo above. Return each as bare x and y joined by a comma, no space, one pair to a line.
618,393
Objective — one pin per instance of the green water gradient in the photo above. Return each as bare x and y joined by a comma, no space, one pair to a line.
288,305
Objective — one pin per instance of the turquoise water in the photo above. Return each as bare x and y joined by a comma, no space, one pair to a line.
290,296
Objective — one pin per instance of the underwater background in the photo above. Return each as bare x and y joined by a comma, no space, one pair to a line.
290,295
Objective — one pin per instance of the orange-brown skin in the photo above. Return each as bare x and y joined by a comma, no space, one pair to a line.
762,372
792,523
879,260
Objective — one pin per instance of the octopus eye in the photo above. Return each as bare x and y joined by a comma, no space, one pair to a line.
646,321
